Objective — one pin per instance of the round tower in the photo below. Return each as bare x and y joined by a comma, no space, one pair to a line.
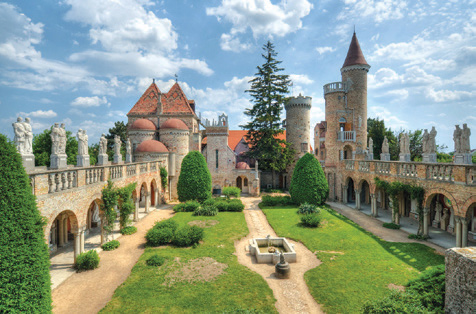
298,126
174,133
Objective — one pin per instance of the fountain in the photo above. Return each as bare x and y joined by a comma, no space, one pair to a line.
282,268
268,250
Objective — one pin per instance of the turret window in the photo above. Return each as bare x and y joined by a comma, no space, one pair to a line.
216,153
304,148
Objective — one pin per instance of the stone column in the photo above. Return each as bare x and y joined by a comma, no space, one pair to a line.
458,230
60,232
373,204
345,197
81,243
156,197
65,234
426,213
77,244
136,210
464,232
357,199
147,201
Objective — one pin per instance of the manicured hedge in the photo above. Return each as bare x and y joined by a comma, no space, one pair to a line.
206,210
87,261
311,220
157,237
309,183
25,284
268,200
231,191
189,206
195,181
111,245
188,236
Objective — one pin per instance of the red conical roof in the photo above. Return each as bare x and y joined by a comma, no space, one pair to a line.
147,104
354,55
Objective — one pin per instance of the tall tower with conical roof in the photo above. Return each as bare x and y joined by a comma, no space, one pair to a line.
346,116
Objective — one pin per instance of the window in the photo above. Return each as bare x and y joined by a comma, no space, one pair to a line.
245,182
304,148
216,151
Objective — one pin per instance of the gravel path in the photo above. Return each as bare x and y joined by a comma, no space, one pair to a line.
374,225
90,291
292,294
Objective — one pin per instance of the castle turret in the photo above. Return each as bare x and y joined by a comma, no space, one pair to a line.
298,126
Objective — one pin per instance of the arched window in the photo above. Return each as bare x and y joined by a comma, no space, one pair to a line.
245,182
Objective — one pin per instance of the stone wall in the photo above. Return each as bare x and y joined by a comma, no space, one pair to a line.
460,296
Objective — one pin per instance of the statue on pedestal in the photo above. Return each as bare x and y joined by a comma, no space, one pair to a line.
432,141
19,130
371,145
55,139
128,147
425,142
28,148
465,144
457,139
117,145
102,145
385,148
82,142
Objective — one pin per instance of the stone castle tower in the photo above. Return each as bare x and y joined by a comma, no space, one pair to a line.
298,126
346,114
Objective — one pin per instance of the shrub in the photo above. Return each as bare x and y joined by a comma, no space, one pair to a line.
163,177
155,260
188,236
210,201
269,200
24,259
128,230
222,205
391,225
86,261
394,302
111,245
166,224
311,220
430,288
206,210
159,236
309,183
418,237
231,191
308,209
235,206
188,206
195,181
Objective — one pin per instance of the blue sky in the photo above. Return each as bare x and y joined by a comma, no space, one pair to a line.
86,62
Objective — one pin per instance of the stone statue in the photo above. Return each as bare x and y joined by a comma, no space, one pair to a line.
445,219
102,145
55,139
385,148
28,148
19,130
457,139
63,139
117,145
128,147
404,143
432,141
425,142
465,144
371,145
82,142
438,210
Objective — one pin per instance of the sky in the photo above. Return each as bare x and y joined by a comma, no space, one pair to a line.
86,62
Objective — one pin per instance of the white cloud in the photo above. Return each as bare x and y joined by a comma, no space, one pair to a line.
300,79
448,95
262,17
391,120
39,114
85,102
378,10
323,50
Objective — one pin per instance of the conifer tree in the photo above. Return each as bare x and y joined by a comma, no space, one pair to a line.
309,184
268,90
25,284
195,180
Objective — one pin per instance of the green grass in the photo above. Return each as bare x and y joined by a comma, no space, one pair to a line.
343,282
237,289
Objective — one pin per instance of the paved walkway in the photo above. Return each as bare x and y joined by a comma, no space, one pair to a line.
374,225
292,294
90,291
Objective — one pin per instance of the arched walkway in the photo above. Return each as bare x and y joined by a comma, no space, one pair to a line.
63,230
144,197
349,191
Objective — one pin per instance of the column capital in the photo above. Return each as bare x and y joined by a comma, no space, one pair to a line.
459,219
372,195
357,190
426,210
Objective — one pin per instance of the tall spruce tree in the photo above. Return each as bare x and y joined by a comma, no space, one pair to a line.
25,285
268,90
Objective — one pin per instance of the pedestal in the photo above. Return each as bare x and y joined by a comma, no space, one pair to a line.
103,160
385,157
128,158
58,161
429,158
82,161
117,159
405,157
463,159
28,161
369,156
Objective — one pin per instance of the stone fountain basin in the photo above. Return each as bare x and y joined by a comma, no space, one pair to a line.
265,257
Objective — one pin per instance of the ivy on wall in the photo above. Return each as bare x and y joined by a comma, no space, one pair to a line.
109,202
394,189
126,205
163,177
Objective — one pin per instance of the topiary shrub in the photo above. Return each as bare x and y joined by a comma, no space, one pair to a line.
25,283
309,183
159,236
128,230
188,236
308,209
155,260
311,220
231,191
195,181
235,206
210,201
206,210
169,224
188,206
221,205
390,225
86,261
430,288
111,245
268,200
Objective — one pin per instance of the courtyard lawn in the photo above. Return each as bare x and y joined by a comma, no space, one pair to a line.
357,266
149,290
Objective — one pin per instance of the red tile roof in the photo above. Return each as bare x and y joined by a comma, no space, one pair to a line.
147,104
235,136
354,55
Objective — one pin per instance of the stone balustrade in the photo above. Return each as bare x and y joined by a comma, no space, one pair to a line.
440,173
94,175
407,170
335,87
349,165
62,180
116,172
143,168
364,166
382,167
131,170
346,136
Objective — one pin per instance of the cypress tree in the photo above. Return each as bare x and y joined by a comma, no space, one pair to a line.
309,183
25,284
195,181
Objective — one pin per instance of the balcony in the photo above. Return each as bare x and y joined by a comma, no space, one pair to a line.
346,136
335,87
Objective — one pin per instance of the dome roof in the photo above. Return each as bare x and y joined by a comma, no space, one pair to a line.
174,124
242,165
142,124
151,146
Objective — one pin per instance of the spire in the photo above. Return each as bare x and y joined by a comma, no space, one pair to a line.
354,55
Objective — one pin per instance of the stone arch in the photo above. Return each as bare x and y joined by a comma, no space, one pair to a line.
59,228
364,187
239,182
143,195
349,190
347,152
347,180
430,194
467,204
93,218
